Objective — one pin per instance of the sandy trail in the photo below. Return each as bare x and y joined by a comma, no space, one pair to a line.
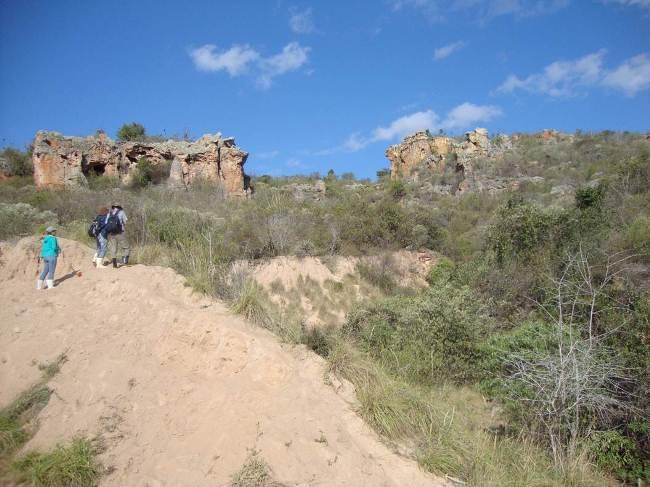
177,386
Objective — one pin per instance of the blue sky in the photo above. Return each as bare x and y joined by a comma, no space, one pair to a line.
309,86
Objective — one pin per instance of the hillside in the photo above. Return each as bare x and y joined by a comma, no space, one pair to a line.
486,302
174,385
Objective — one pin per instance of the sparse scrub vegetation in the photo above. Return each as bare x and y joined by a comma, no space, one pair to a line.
71,465
19,219
464,375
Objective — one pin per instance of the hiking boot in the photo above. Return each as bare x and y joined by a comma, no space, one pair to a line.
39,284
125,260
114,263
99,263
50,283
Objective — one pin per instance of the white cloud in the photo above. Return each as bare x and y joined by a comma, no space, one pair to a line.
240,59
407,124
446,51
468,114
301,22
561,78
631,3
354,143
292,57
482,10
460,117
235,60
570,78
631,76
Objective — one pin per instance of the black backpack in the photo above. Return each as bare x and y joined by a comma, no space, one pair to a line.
94,229
113,225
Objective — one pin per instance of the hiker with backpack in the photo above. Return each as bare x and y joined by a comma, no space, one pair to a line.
50,251
99,230
116,230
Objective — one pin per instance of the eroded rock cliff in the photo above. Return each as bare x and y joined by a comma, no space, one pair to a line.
61,161
437,154
423,150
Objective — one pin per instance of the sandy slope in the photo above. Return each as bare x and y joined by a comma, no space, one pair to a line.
408,268
177,385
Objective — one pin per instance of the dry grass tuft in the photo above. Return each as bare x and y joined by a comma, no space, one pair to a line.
254,473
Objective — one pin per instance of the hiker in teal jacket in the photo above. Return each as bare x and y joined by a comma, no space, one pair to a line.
50,251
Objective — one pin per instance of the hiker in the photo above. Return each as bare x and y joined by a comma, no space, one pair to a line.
100,232
117,234
50,251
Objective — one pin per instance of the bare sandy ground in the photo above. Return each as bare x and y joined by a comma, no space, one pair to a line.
177,386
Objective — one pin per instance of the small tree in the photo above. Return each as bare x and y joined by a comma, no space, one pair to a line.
131,132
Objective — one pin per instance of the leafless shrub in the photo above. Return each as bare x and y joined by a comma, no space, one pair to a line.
580,384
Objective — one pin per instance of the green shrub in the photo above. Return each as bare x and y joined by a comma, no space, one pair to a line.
143,173
637,235
131,132
521,230
19,163
427,339
590,197
618,454
441,272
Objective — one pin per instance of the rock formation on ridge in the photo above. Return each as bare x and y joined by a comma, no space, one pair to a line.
422,150
435,152
61,161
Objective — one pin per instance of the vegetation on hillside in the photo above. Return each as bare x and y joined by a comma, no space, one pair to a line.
526,361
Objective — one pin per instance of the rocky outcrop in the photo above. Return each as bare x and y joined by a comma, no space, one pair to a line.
437,154
423,150
552,135
418,150
61,161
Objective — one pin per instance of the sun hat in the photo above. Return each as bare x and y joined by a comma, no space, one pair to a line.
50,229
116,205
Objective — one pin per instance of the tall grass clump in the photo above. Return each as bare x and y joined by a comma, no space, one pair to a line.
70,465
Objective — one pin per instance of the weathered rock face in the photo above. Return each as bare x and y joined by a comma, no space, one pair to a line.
419,149
61,161
434,152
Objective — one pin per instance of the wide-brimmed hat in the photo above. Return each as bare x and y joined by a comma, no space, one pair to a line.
116,205
50,230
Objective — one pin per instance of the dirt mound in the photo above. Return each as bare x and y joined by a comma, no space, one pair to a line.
323,289
177,387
